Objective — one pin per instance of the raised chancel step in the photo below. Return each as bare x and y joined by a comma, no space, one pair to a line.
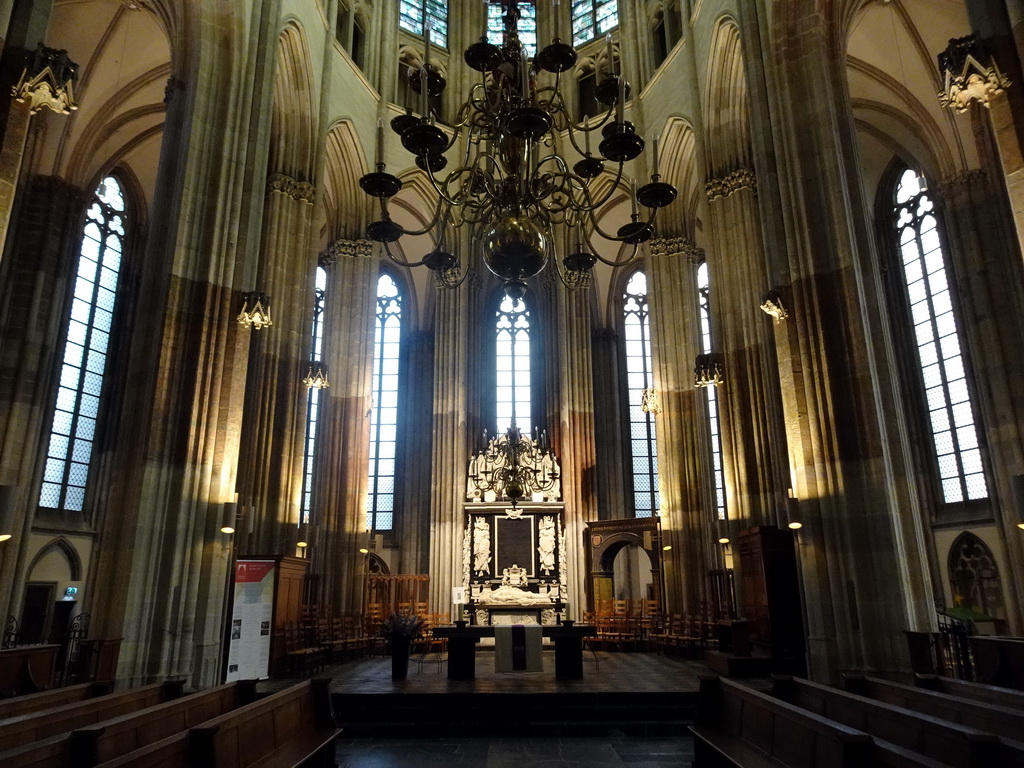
412,715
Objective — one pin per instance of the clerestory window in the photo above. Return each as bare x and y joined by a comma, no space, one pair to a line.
703,298
593,18
526,27
87,339
936,333
639,378
416,15
313,397
387,347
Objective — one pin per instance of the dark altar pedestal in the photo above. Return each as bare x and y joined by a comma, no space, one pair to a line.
568,648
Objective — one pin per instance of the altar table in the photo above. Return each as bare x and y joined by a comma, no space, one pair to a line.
568,648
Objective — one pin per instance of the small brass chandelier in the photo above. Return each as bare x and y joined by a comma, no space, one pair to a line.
513,188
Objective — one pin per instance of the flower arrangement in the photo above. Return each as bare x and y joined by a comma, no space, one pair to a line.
402,626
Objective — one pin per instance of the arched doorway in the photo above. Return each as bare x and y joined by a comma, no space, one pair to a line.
623,560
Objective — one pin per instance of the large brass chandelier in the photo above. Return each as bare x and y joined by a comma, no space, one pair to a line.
514,466
512,187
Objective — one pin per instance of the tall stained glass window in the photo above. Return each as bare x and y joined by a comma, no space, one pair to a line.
414,14
85,351
943,374
639,376
526,28
387,346
512,366
313,398
593,18
704,290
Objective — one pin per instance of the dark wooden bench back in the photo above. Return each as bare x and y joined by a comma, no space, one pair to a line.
992,694
50,722
1002,721
256,731
58,697
118,736
772,728
90,744
951,743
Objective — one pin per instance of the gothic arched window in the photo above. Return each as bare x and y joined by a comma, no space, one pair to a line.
526,28
387,347
937,340
313,398
413,15
513,393
640,377
593,18
87,338
704,293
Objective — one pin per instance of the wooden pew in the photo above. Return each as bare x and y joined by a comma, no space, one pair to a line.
27,669
58,697
738,726
293,726
85,747
1007,722
948,742
51,722
289,727
992,694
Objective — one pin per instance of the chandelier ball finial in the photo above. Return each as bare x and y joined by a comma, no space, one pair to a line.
514,247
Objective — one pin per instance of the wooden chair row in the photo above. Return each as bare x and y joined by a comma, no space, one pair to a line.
222,726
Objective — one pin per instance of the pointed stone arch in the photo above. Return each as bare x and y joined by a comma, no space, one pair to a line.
727,104
66,549
292,135
679,168
347,208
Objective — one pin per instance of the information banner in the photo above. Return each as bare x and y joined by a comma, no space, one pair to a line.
249,635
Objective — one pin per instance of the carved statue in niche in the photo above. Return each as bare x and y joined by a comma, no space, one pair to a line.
546,546
481,547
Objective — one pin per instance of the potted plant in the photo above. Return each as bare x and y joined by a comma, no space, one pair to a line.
401,629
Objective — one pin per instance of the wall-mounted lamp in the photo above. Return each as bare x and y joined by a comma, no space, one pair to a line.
1017,487
793,512
667,548
255,311
305,536
723,540
6,512
229,517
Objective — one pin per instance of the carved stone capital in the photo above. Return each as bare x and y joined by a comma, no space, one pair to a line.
301,191
676,246
352,249
48,80
743,178
961,182
969,73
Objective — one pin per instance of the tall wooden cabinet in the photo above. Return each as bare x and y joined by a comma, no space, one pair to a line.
771,594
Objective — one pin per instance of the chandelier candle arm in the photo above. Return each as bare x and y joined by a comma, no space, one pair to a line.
511,192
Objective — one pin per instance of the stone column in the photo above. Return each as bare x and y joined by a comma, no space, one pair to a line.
687,500
573,435
454,323
988,273
344,439
753,438
34,277
273,431
608,430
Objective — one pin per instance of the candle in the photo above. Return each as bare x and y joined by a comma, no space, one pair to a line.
620,106
379,160
526,77
654,158
554,12
586,135
423,72
423,91
633,196
610,53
